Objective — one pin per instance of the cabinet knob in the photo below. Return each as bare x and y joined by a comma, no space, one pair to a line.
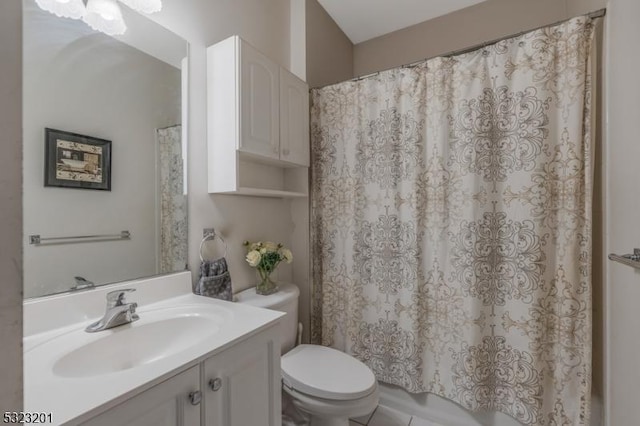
195,397
285,151
215,384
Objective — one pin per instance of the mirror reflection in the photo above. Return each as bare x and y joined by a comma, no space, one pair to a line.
105,195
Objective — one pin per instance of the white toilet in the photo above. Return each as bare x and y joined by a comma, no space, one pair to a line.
328,385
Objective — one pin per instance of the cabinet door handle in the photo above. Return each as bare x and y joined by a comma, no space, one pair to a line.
215,384
285,151
195,397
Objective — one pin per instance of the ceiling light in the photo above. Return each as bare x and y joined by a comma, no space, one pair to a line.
144,6
105,16
63,8
101,15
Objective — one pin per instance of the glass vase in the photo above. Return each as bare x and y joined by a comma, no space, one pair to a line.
266,285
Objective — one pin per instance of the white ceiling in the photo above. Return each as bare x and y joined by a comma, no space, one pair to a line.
362,20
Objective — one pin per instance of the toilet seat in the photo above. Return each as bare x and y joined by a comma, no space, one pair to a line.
326,373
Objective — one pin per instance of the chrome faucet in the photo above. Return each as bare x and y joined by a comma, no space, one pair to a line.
118,312
82,284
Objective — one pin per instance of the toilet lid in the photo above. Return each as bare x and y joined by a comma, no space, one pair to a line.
326,373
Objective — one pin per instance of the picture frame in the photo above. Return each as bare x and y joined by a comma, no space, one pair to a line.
76,161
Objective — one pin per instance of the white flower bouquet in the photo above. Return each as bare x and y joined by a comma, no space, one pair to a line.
265,257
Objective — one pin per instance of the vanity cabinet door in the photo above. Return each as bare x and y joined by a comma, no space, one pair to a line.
294,119
171,403
242,384
260,79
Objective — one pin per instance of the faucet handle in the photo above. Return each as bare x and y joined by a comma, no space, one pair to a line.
117,297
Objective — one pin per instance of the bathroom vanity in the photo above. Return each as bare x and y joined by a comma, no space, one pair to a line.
188,360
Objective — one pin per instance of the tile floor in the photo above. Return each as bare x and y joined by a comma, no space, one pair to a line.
385,416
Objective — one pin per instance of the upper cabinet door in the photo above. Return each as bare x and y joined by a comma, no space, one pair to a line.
259,129
294,119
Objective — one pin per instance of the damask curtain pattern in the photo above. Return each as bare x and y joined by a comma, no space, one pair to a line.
451,225
173,200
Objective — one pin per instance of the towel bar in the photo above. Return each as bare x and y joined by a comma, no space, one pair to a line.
37,239
632,260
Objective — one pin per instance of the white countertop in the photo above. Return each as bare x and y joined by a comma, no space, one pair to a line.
73,400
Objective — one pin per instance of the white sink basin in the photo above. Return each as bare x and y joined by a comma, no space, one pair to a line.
157,335
129,346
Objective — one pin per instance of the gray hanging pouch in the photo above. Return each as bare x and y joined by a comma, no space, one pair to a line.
215,280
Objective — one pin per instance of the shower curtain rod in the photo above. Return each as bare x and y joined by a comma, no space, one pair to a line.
596,14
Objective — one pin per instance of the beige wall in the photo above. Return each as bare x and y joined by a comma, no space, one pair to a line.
298,35
300,206
483,22
11,201
577,7
329,50
329,59
622,207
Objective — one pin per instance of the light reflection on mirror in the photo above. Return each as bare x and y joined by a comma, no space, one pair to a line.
127,91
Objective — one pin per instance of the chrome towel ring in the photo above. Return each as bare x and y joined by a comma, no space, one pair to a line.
210,234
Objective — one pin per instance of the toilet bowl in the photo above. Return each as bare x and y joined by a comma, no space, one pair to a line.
327,385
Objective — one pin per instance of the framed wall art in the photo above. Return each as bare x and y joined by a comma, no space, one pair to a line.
76,161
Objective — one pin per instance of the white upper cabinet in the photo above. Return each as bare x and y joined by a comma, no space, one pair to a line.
260,108
294,119
258,124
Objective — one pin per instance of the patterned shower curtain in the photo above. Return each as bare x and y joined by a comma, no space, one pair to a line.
173,200
451,224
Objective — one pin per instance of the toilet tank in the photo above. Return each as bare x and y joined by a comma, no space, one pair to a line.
284,300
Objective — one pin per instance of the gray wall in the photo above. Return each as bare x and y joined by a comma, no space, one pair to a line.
11,202
329,50
485,21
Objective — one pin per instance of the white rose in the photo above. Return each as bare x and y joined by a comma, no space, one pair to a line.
271,246
287,255
263,250
254,258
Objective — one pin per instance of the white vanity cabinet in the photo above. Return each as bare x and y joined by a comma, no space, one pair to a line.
258,124
242,384
239,386
166,404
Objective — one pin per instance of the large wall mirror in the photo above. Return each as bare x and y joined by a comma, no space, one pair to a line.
113,159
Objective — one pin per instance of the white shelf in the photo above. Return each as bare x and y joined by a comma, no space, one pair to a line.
260,192
258,159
